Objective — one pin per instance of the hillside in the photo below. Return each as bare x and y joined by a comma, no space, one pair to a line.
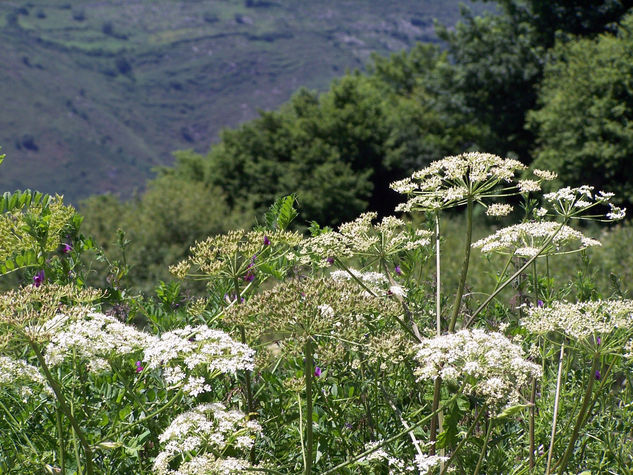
94,94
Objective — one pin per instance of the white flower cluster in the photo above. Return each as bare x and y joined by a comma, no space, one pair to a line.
499,209
581,320
450,181
205,433
576,202
380,455
371,278
186,349
425,463
97,338
526,239
488,364
20,377
94,337
362,238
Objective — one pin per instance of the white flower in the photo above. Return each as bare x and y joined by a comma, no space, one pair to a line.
210,429
21,376
526,239
488,364
498,209
525,186
581,320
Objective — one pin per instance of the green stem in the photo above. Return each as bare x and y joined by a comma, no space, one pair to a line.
464,273
247,374
482,454
464,440
581,417
386,441
64,406
60,435
558,385
437,391
531,428
513,276
438,277
308,376
414,328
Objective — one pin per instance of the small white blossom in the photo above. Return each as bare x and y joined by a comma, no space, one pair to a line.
488,364
499,209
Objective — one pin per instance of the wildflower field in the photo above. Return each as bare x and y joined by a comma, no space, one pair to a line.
327,351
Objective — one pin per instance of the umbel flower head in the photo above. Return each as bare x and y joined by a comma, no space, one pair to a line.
528,239
582,321
362,238
187,352
207,439
32,310
22,378
486,364
96,338
300,307
453,181
237,253
584,203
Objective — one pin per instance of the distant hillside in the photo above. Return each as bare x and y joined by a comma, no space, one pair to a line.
96,93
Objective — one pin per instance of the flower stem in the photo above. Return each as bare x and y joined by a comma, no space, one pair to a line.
63,405
438,277
581,417
558,385
482,454
531,428
308,376
464,273
463,441
513,276
386,441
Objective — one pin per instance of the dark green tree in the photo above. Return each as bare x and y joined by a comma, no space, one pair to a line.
585,123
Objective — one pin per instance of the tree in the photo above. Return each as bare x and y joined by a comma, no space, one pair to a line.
585,122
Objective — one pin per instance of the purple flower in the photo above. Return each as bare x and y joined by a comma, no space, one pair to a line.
598,340
249,277
139,368
330,260
397,270
266,241
598,375
38,279
317,371
539,303
66,248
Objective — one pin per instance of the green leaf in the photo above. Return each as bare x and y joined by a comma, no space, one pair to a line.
511,411
281,213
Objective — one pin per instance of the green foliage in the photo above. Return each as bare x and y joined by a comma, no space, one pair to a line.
584,123
159,227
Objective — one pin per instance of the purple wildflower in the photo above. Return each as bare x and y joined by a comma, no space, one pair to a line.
598,375
397,270
249,277
266,241
539,303
38,279
317,371
66,248
139,368
598,340
330,260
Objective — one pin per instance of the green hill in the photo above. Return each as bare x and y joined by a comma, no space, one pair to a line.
95,94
